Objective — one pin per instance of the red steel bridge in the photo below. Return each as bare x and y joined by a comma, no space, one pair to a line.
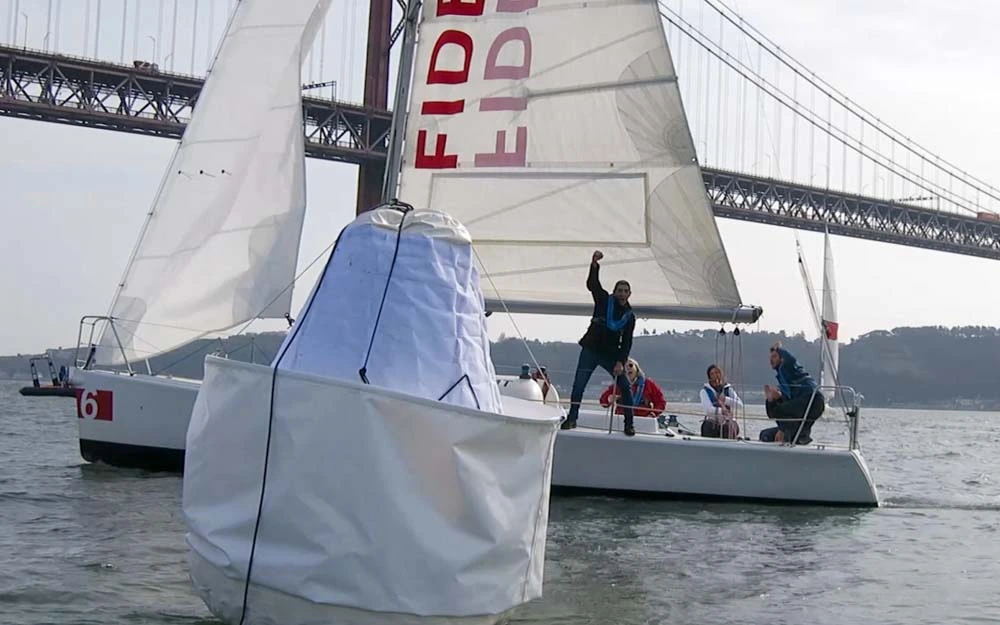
49,87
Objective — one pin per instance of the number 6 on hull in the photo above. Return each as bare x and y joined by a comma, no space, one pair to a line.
96,405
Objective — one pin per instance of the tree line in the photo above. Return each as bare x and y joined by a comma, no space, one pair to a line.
923,366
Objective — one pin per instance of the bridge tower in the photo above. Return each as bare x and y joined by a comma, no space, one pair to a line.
370,172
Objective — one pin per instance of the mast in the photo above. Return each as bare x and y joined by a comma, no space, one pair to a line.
401,98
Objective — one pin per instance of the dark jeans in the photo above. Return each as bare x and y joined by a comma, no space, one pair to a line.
711,429
585,366
788,414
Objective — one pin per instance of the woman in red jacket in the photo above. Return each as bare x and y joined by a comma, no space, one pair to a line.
649,398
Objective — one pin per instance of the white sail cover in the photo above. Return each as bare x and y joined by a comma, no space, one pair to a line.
431,339
831,346
551,128
221,242
379,506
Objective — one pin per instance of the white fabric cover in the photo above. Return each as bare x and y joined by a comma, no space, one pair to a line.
433,325
608,162
221,242
375,500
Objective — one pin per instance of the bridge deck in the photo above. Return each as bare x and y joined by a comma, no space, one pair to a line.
84,92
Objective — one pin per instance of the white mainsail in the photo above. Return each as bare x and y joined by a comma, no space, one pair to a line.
551,128
221,242
831,346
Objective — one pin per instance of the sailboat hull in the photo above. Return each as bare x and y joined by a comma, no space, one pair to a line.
151,415
137,421
652,464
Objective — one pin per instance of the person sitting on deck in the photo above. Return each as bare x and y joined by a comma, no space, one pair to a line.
606,344
720,402
793,401
646,393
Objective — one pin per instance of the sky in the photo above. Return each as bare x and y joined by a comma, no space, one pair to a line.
74,199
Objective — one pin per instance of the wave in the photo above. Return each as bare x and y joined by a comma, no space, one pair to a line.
920,503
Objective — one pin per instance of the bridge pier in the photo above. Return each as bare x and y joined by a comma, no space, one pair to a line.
371,173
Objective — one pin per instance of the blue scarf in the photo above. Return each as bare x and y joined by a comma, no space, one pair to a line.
620,323
639,389
786,388
711,392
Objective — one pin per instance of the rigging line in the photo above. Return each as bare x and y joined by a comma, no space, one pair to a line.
503,303
818,319
797,243
405,209
267,444
822,83
846,141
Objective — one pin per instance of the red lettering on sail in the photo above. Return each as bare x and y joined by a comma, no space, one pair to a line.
503,104
439,159
495,71
458,7
514,6
441,107
502,158
437,76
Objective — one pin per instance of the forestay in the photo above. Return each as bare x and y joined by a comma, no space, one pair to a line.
550,128
221,242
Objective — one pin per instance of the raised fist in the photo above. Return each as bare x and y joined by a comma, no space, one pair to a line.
597,256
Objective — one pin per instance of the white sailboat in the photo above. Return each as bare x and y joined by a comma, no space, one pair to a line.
552,129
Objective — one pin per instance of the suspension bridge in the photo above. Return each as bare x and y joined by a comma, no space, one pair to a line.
766,127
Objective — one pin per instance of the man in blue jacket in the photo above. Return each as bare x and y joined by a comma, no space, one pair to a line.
606,344
795,399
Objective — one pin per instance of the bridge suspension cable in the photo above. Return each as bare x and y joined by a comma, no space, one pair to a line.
916,181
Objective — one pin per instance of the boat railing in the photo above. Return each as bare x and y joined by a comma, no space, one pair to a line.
845,397
91,322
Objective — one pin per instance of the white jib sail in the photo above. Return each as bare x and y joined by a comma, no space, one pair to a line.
221,242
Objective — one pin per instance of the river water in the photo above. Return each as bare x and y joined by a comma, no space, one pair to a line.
90,545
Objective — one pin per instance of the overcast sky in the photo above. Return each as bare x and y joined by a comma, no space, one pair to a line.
74,199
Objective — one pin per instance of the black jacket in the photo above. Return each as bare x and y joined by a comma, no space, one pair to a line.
611,344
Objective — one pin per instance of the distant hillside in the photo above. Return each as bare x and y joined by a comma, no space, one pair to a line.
928,366
187,361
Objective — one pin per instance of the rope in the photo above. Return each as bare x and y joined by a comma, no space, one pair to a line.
405,209
270,425
506,310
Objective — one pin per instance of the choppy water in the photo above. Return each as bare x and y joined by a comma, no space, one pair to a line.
90,545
